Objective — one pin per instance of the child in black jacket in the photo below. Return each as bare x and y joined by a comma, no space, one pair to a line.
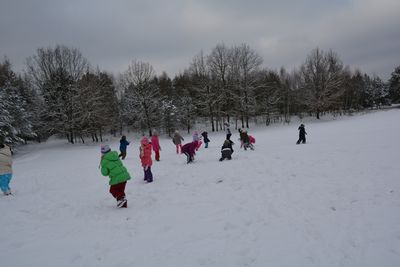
226,150
302,134
205,138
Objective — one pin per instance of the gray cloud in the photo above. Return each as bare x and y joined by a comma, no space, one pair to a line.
167,34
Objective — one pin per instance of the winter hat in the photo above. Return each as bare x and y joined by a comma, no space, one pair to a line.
144,140
105,149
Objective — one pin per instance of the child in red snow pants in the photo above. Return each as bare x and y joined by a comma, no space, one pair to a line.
118,190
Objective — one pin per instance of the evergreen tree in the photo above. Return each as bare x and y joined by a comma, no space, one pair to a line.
15,117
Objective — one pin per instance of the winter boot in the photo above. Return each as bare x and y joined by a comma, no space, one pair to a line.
122,203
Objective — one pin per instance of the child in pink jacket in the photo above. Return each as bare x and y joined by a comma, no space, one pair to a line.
145,157
156,145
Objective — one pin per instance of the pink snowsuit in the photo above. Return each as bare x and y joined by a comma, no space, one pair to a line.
156,146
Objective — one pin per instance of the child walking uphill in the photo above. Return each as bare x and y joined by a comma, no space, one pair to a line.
156,145
112,167
302,134
123,143
5,168
177,140
145,157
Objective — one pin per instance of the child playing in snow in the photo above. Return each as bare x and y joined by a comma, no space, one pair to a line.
227,130
112,167
156,145
123,143
302,134
252,140
5,168
226,150
177,140
245,139
189,150
197,140
145,157
205,138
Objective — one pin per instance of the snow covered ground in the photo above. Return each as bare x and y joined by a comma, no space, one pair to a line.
332,202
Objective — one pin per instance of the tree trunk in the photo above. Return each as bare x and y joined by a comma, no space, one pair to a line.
71,136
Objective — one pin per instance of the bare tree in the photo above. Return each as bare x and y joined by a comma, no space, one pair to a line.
322,80
142,95
218,62
249,65
55,73
200,74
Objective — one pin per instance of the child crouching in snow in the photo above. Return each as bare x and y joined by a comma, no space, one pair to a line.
189,150
145,157
112,167
226,150
245,140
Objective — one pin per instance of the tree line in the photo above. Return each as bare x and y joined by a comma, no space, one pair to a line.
60,93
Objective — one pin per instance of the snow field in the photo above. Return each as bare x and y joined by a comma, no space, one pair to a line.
334,201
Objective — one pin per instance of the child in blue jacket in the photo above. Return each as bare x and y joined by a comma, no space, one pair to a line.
123,143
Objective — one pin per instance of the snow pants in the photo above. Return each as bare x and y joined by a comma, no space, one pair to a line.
123,154
302,139
157,152
189,158
148,175
118,190
5,181
178,148
226,154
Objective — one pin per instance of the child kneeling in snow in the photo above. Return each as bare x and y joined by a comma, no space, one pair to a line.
226,150
112,167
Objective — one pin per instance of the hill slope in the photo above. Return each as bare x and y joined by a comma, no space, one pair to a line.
334,201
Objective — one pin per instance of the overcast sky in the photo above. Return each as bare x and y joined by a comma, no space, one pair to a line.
169,33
